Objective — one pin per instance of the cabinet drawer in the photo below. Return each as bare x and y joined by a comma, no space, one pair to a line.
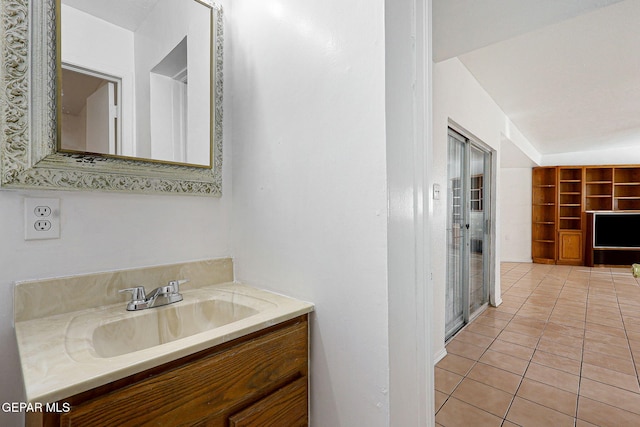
205,391
285,407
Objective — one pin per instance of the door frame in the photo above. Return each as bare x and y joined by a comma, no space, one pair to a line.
490,261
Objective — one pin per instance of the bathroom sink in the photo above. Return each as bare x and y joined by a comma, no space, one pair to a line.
165,324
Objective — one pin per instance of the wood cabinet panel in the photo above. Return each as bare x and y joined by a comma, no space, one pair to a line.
270,368
570,247
285,407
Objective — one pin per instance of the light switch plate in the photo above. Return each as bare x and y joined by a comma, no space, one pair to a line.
41,218
436,191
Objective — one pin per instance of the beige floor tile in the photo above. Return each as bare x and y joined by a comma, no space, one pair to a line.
476,339
608,376
562,338
605,415
482,396
455,413
614,323
551,397
604,329
568,321
523,329
565,330
505,308
484,330
520,339
605,338
495,377
608,349
633,335
515,350
446,381
440,398
526,413
610,395
624,366
491,322
456,364
492,312
533,323
553,377
504,361
464,349
565,364
552,347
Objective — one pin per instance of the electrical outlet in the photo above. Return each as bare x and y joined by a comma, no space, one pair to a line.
42,211
41,218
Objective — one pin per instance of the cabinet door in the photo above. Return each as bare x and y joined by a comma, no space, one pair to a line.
570,248
284,407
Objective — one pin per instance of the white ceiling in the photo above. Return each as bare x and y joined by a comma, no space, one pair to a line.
567,73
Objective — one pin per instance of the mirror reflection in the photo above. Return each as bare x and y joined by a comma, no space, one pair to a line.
136,79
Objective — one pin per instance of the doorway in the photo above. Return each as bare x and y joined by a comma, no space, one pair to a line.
468,236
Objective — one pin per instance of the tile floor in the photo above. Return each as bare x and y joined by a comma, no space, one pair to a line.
563,349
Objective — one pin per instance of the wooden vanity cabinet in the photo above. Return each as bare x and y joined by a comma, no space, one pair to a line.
257,380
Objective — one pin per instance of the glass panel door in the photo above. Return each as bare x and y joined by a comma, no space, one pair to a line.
456,220
478,220
468,218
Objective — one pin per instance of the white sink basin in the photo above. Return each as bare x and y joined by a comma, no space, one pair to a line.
113,331
165,324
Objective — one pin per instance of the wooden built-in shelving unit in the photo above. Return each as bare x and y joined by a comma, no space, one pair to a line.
544,215
561,197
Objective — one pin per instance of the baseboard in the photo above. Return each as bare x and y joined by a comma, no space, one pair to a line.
439,355
524,260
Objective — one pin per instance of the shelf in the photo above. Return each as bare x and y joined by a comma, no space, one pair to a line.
593,196
627,183
570,204
598,175
544,222
544,241
599,182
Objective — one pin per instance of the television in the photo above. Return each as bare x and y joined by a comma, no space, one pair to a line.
616,230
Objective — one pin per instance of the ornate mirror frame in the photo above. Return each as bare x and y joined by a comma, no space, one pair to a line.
28,156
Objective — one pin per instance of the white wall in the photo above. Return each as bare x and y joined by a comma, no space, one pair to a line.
310,191
458,97
515,197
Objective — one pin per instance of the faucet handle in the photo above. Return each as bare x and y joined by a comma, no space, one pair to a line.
137,293
175,284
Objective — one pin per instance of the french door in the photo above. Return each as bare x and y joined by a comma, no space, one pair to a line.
468,220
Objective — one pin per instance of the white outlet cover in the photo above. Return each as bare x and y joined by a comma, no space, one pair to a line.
33,208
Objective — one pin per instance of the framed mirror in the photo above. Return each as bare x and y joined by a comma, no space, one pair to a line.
49,81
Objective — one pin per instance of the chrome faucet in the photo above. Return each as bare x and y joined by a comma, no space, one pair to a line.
159,296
